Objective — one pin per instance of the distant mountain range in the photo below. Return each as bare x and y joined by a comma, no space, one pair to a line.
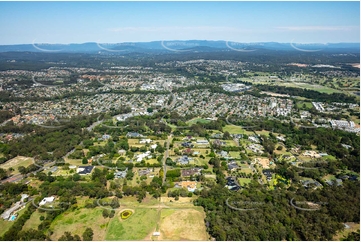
178,46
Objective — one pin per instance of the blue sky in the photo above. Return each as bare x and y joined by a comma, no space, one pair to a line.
116,22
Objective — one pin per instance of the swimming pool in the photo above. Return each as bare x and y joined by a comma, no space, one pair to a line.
12,218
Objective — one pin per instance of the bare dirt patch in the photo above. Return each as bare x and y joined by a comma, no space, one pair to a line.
182,225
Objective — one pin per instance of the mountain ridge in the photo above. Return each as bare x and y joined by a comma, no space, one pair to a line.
177,46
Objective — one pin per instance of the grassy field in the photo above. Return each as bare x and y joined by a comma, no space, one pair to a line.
247,170
182,225
196,120
136,227
234,154
75,162
5,225
233,129
77,221
308,105
243,181
16,162
34,220
264,132
329,177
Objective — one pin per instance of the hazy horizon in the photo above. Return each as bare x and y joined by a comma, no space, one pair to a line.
119,22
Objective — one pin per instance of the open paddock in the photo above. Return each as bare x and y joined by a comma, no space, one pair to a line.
16,162
78,220
186,224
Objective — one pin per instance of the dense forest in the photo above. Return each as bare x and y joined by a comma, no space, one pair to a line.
311,94
257,213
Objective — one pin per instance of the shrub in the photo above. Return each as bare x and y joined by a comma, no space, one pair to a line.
126,214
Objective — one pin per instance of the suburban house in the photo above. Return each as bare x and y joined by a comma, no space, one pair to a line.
144,172
187,144
237,136
191,172
121,174
202,142
219,142
46,200
145,141
253,139
268,174
106,137
280,138
311,184
134,135
122,152
84,170
190,185
311,153
184,160
338,182
6,215
217,136
140,157
232,184
232,166
223,154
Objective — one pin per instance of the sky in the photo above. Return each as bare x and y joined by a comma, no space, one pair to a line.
117,22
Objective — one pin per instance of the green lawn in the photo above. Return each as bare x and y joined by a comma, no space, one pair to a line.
246,170
233,129
34,220
234,154
244,181
307,104
196,120
77,221
136,227
329,157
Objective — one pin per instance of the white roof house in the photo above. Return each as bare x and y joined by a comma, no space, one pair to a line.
46,200
143,141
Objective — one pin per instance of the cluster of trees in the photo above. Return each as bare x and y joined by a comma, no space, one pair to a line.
183,192
311,94
87,236
44,142
173,174
273,217
10,193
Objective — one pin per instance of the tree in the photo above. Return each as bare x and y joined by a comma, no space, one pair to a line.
66,236
227,135
115,203
84,161
22,170
88,234
105,213
76,177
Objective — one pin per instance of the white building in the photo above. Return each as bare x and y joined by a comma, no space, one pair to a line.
46,200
